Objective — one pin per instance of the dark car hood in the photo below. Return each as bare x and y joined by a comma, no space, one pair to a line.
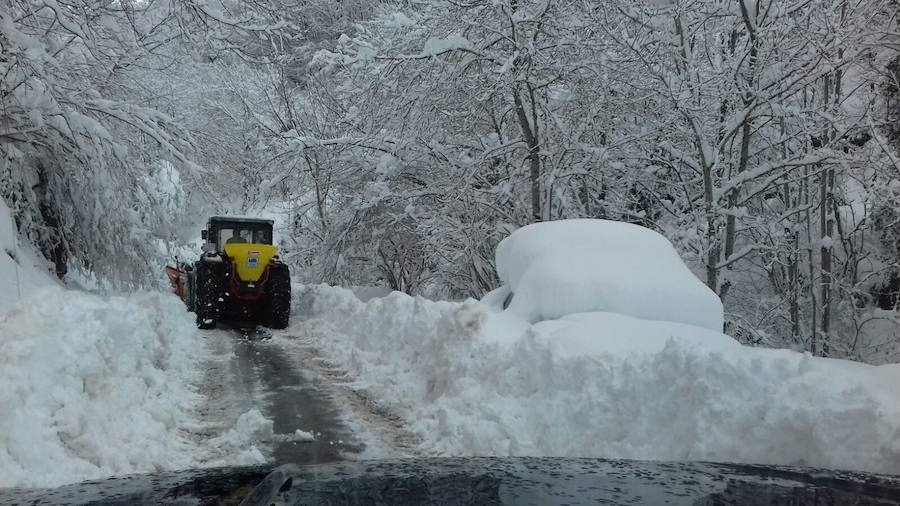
536,481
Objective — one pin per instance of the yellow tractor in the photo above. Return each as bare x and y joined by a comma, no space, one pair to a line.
239,278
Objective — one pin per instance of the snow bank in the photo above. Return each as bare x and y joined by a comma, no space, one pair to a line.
93,387
22,271
470,382
574,266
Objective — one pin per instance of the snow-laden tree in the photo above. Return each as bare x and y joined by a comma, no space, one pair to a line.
398,142
64,164
472,118
92,171
740,129
762,109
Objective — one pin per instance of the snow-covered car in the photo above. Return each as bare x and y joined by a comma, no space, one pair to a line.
552,269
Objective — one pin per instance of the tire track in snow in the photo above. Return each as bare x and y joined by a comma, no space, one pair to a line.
228,390
293,402
287,380
384,432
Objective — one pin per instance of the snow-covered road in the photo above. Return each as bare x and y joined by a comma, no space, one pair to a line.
283,404
92,387
254,376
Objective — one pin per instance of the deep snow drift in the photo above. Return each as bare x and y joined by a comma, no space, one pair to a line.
470,381
92,387
574,266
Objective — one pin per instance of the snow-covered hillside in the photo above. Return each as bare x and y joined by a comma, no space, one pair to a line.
470,381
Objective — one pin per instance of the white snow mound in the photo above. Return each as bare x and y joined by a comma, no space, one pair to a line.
575,266
93,387
472,382
238,445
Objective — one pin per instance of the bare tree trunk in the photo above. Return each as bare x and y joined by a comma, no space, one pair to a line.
793,200
826,224
793,262
794,292
810,260
53,244
712,231
315,171
730,220
746,130
826,214
529,131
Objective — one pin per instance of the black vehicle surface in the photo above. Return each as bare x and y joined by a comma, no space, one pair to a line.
483,481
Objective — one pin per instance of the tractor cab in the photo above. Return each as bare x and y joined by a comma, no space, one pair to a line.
223,230
246,245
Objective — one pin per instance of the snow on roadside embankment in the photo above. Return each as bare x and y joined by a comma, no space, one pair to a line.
471,381
92,387
22,271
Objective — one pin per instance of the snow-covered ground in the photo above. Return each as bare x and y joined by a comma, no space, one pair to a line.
608,346
96,386
469,381
89,387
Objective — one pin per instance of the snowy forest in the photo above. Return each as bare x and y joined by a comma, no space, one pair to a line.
396,142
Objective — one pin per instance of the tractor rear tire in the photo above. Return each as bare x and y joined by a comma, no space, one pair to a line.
189,299
208,294
278,297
